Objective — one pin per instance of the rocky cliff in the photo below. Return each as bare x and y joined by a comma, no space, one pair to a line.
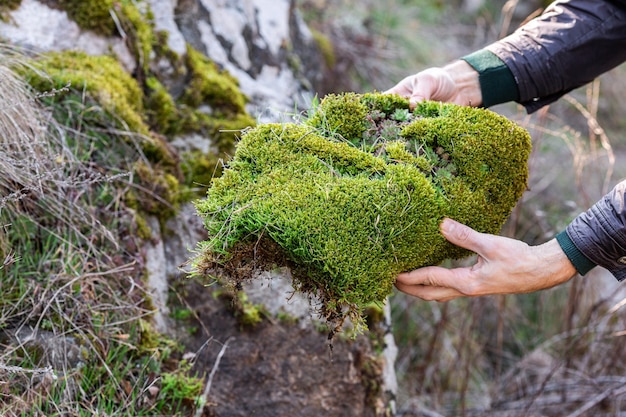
180,79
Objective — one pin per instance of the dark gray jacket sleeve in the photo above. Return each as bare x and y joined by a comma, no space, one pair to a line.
568,46
600,232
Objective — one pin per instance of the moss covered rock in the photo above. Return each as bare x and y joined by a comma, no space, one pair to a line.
354,195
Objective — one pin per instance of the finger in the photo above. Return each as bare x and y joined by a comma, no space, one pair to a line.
429,293
414,100
466,237
395,90
403,88
457,279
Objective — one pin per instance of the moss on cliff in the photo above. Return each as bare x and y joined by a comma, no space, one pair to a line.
95,96
355,195
100,89
91,15
326,48
100,77
209,85
213,105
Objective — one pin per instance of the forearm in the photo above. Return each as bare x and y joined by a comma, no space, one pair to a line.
599,235
553,264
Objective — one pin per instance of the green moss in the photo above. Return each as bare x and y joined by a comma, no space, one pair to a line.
211,105
103,80
101,77
149,339
179,386
161,193
105,103
140,29
91,15
179,117
371,368
181,314
212,87
200,168
248,314
161,109
351,216
143,228
326,48
343,116
286,318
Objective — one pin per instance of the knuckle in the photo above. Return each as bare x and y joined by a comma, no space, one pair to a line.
470,288
464,234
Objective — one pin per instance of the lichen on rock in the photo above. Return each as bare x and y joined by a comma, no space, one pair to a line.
354,195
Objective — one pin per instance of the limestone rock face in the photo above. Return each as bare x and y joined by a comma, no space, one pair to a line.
263,43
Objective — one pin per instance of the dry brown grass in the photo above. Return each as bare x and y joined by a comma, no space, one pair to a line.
75,337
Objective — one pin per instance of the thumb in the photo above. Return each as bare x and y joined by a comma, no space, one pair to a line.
464,236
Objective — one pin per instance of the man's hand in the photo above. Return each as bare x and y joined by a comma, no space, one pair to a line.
504,266
455,83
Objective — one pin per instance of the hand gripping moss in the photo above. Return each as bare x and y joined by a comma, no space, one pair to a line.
354,195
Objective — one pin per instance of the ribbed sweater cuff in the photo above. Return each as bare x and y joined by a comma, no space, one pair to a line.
497,83
576,257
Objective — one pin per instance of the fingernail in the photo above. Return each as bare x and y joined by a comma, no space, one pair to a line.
446,225
402,277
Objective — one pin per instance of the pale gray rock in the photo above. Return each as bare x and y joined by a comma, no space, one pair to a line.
163,11
264,44
156,271
40,28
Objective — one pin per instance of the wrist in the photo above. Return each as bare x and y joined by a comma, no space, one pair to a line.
554,264
576,257
496,81
466,81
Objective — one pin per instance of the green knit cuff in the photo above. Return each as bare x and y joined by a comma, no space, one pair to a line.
576,257
497,83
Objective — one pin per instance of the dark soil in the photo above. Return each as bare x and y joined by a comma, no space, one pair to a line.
277,369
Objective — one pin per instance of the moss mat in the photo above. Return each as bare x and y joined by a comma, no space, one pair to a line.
354,194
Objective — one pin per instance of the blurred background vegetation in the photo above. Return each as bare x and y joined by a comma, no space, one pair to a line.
557,352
